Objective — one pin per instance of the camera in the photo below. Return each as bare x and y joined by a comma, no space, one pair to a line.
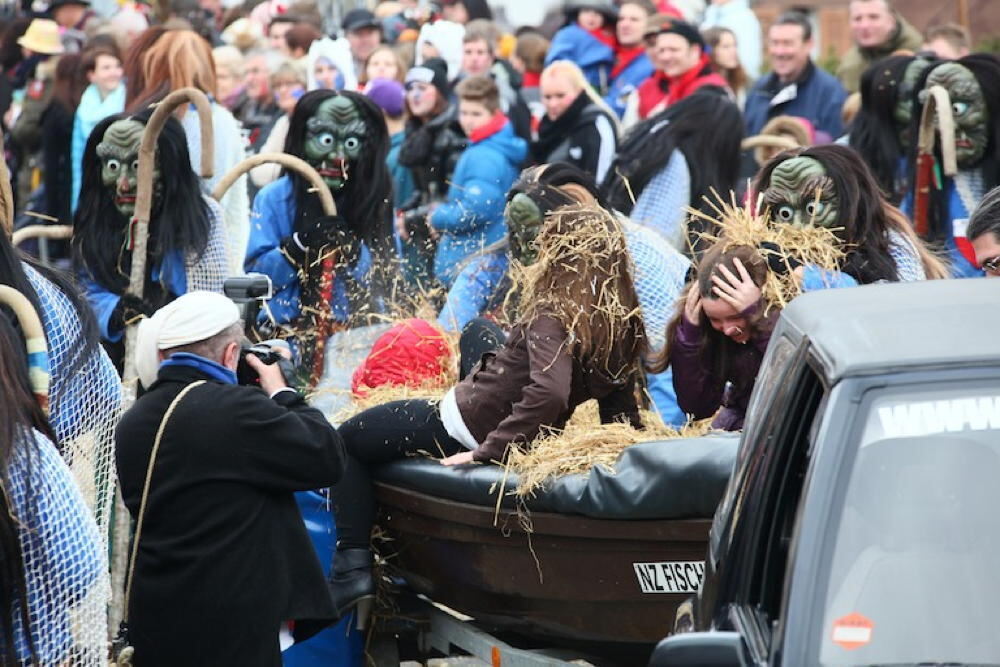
248,376
249,293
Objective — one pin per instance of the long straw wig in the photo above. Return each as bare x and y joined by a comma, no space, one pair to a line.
583,278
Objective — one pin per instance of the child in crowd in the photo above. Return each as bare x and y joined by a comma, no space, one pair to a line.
588,39
472,216
529,59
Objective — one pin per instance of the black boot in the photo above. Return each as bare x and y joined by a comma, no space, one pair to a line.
351,580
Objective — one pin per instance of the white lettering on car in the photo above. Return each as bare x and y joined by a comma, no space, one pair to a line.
929,417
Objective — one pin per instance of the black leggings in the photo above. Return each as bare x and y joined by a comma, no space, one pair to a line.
392,431
379,435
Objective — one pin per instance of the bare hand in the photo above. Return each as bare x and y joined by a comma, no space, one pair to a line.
457,459
401,229
271,378
692,305
739,292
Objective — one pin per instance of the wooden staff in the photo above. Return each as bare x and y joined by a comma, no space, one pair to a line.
322,320
34,339
937,108
139,225
139,231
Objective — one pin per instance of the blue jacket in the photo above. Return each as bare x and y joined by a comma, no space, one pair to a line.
402,178
272,221
817,96
171,272
91,111
594,57
627,82
472,216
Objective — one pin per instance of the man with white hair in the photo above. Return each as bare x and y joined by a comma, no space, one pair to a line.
225,572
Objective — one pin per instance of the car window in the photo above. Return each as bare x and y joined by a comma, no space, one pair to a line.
912,577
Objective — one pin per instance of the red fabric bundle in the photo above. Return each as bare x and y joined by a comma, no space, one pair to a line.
410,353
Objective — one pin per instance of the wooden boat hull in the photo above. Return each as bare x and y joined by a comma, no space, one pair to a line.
571,577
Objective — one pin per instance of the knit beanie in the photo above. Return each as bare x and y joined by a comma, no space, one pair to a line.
434,72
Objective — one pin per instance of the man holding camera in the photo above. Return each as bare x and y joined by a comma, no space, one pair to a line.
224,571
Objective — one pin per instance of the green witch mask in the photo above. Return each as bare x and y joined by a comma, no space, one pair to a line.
524,221
802,194
119,155
969,108
335,138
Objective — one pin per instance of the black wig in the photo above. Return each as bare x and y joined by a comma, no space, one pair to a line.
707,128
986,68
863,212
179,221
874,133
365,200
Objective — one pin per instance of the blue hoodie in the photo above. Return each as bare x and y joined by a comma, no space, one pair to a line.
471,218
594,57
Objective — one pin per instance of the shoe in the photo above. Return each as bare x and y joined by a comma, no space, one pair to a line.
351,580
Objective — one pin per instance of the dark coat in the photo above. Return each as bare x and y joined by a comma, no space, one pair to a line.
224,558
817,96
536,380
584,136
700,391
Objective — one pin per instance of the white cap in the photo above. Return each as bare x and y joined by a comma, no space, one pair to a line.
193,317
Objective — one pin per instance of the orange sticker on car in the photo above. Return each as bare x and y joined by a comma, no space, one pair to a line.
852,631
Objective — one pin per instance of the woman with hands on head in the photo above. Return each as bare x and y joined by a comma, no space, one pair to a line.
716,342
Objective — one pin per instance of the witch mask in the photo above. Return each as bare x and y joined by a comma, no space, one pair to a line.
968,106
802,194
335,138
119,155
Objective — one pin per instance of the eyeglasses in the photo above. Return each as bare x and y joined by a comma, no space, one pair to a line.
992,265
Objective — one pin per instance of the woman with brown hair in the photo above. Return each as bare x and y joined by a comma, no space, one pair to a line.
571,343
726,58
161,61
717,340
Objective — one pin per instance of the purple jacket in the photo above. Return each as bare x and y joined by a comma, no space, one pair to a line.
699,392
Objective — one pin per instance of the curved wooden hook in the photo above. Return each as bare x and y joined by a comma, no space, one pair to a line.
287,161
938,106
35,343
41,232
139,225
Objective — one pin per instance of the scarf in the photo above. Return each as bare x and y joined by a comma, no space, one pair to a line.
212,369
626,56
492,126
551,133
660,87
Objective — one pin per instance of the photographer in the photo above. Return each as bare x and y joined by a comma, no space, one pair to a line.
224,571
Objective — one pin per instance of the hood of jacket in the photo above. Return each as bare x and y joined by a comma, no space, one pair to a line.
507,143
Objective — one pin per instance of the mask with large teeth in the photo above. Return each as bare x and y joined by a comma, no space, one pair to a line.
119,155
335,139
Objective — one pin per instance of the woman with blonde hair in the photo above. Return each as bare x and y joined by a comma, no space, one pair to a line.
161,61
578,127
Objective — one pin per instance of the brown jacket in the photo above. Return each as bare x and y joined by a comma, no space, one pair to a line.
536,379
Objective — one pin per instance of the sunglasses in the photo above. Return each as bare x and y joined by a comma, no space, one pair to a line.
992,265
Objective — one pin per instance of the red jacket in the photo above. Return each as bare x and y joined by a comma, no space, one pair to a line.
661,88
